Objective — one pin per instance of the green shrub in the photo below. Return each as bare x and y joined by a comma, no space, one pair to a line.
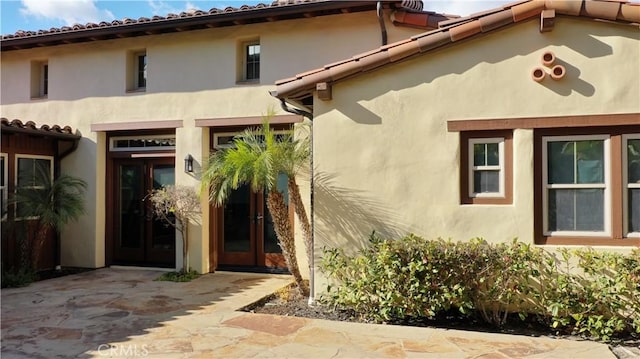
395,280
17,278
178,276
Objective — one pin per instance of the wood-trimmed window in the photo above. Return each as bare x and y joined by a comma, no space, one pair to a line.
32,171
39,79
486,167
249,61
136,70
586,186
4,172
631,176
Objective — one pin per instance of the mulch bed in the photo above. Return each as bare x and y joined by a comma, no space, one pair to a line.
64,271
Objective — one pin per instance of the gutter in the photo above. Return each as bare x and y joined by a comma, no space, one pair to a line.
309,115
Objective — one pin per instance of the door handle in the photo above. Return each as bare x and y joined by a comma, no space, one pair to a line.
259,217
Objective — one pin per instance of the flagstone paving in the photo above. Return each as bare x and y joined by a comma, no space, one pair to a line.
124,313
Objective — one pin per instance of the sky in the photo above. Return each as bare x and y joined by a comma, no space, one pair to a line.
44,14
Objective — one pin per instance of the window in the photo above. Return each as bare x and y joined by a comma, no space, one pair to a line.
137,70
3,185
486,172
631,167
32,172
39,79
576,196
586,186
141,71
250,52
486,175
143,143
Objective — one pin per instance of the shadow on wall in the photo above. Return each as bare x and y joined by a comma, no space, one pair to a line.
346,213
459,58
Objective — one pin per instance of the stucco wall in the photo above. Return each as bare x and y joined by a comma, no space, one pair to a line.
385,161
191,75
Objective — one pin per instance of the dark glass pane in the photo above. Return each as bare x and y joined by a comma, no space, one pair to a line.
270,239
42,172
479,154
590,161
164,235
236,221
122,143
2,171
560,164
45,79
486,181
25,172
142,70
634,210
163,175
131,206
633,161
576,210
493,155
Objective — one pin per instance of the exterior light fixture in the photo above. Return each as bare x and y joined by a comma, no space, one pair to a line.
188,164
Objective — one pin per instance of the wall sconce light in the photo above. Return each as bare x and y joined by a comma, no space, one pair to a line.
188,164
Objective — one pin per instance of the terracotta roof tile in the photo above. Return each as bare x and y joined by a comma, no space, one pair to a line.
30,126
453,30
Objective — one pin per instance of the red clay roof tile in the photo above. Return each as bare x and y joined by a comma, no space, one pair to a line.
453,30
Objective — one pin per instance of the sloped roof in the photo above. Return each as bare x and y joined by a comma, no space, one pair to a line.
30,127
194,20
452,31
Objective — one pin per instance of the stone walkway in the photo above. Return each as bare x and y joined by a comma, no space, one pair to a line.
124,313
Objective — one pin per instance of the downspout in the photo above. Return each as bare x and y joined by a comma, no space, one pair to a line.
383,29
57,171
308,115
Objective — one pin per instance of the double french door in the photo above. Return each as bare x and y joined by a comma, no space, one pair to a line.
246,231
140,238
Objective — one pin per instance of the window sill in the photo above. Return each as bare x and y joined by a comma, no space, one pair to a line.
590,241
248,82
40,98
143,89
487,200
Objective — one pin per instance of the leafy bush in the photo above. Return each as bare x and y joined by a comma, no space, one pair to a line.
17,278
180,276
396,280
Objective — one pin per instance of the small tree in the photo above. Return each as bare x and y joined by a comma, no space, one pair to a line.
257,158
177,206
50,203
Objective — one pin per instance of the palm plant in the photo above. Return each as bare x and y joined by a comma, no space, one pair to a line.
258,157
49,203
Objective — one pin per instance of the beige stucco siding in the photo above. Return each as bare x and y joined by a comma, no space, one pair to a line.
191,75
385,161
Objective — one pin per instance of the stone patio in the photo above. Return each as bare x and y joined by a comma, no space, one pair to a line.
114,313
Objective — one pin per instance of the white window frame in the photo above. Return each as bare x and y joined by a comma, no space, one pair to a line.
500,168
17,175
626,185
245,55
4,185
216,136
113,148
606,186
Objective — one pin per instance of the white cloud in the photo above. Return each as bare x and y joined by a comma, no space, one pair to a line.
162,8
68,11
462,7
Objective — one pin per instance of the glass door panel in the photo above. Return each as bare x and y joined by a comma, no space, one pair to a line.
163,235
237,221
130,212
